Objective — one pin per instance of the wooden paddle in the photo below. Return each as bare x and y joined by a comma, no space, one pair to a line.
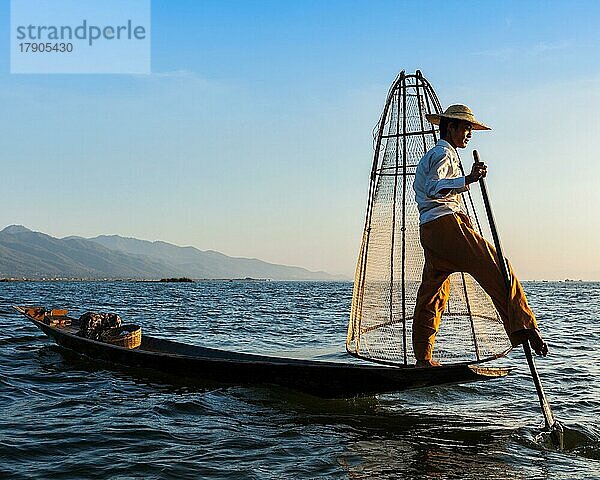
551,424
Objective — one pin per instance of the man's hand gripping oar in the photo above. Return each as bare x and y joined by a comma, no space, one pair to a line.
551,424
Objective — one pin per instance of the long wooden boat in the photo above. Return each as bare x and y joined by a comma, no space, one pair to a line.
320,378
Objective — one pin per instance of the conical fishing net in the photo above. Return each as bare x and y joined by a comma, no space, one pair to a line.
390,263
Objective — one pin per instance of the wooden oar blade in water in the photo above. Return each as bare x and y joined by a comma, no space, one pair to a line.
552,426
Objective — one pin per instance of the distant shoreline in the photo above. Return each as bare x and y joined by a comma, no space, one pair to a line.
200,280
145,280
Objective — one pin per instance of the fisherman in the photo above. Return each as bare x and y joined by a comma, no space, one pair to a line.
452,245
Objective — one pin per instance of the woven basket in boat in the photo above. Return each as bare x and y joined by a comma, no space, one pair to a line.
128,336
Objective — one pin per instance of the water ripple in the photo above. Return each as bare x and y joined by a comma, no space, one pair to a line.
65,416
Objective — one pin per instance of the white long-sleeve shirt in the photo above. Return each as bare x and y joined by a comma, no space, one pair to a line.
438,170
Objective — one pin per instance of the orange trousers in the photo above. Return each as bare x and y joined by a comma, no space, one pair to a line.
452,245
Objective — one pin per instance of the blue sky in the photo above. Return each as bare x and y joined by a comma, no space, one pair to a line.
252,135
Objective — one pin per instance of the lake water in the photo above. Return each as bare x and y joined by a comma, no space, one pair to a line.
65,416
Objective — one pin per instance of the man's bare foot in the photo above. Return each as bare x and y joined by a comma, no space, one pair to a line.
427,363
534,338
537,342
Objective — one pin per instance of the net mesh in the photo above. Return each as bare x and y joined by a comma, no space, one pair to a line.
390,262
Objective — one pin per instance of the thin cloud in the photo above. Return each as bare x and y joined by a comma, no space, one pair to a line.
537,49
501,52
543,47
174,74
179,77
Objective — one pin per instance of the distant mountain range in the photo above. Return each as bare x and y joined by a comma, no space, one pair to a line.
24,253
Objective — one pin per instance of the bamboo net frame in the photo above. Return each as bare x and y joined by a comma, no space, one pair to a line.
390,262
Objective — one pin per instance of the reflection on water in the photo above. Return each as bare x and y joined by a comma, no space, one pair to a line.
70,417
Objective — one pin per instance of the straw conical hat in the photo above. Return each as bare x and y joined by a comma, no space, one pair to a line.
459,112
